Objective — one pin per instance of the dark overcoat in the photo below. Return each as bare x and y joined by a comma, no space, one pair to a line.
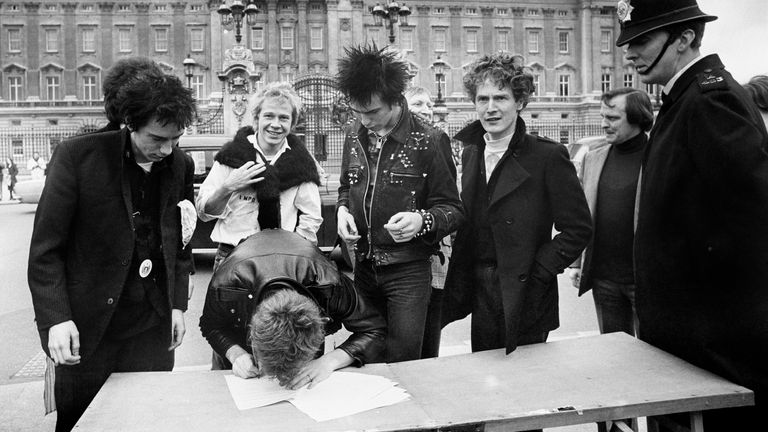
701,245
83,237
537,188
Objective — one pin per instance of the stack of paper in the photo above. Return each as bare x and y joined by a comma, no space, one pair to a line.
342,394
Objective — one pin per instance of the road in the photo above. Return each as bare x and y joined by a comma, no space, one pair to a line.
21,364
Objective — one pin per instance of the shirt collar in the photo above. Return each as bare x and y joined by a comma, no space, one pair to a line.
283,147
671,83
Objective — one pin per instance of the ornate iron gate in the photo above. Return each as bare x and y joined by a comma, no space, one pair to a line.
323,115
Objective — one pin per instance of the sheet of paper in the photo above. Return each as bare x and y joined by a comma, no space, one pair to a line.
342,394
256,392
347,393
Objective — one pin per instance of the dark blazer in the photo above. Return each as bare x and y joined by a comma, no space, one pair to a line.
701,244
536,188
83,237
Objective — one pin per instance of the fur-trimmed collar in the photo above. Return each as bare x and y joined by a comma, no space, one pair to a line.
294,167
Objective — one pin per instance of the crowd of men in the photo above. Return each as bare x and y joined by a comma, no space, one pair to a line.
666,228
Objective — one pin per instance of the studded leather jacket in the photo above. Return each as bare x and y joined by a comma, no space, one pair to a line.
277,257
411,174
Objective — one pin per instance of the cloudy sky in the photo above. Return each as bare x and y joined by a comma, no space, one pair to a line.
739,35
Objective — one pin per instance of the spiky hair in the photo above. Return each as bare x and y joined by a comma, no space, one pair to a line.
366,70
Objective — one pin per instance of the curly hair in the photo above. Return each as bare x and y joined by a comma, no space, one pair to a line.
504,70
156,95
286,331
366,70
122,73
278,90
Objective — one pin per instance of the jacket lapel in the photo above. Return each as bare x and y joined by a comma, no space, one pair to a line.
510,176
593,167
120,164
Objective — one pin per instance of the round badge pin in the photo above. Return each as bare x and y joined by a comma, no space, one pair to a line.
145,268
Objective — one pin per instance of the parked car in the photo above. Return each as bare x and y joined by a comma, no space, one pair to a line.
581,147
28,191
203,149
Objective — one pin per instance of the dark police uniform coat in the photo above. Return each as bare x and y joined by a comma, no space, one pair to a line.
701,245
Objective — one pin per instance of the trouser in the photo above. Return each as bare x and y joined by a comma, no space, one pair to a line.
615,307
431,345
77,385
401,294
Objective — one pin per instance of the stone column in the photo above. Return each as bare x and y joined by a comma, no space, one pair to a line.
69,49
334,49
107,28
302,50
273,41
587,47
142,28
486,43
33,49
179,38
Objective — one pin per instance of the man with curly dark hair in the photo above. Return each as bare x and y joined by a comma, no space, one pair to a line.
397,197
515,187
123,72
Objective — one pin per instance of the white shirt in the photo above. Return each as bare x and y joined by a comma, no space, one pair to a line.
494,150
671,83
239,219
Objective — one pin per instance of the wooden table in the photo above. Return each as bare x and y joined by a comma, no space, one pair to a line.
560,383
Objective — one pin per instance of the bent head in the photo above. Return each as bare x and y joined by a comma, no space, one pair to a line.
286,332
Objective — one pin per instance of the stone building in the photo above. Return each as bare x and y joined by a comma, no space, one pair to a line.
53,54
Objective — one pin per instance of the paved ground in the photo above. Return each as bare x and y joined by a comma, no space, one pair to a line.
22,361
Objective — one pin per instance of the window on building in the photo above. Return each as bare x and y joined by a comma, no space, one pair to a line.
89,88
52,40
196,42
564,85
161,39
564,116
502,40
198,86
471,40
373,35
286,7
562,39
536,85
471,11
650,89
533,41
14,40
316,7
15,88
53,122
17,145
124,8
565,136
440,39
533,12
87,8
257,38
286,38
562,13
629,80
287,76
501,11
196,8
89,40
406,39
50,8
124,40
160,8
439,11
13,7
316,38
606,40
52,87
605,82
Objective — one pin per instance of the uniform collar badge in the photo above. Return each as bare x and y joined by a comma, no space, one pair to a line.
624,11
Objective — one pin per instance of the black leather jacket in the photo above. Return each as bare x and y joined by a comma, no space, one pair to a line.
411,174
277,255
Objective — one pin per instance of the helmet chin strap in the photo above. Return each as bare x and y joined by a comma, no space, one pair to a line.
668,42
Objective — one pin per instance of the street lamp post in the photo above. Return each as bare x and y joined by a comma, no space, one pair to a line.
232,16
189,68
390,15
440,67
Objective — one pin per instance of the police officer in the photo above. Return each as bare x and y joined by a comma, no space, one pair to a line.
701,253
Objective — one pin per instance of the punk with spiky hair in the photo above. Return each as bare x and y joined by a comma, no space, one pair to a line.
367,70
397,197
